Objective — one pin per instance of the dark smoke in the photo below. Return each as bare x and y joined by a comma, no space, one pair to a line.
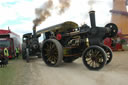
43,12
64,4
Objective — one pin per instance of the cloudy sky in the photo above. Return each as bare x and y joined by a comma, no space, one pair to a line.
19,14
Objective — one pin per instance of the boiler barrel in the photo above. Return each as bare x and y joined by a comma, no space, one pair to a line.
49,28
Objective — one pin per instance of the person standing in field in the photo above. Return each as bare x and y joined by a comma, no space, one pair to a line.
6,54
17,52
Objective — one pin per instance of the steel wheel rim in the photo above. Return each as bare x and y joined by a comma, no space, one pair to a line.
94,58
50,53
109,54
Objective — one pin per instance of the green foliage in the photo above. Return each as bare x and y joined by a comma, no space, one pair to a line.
123,41
7,75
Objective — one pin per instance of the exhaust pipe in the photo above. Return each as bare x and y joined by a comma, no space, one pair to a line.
92,19
34,30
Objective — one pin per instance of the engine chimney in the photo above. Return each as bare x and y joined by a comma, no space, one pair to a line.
92,19
34,30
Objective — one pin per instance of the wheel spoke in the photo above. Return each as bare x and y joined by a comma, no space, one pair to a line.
94,64
53,46
97,53
47,46
54,60
46,54
101,60
89,62
46,50
49,58
92,51
97,64
88,59
54,50
50,45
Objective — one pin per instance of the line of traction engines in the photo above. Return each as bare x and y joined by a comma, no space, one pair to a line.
67,42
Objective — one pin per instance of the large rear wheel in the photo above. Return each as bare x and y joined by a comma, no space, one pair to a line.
94,58
52,52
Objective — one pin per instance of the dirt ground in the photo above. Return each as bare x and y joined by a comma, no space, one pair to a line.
37,73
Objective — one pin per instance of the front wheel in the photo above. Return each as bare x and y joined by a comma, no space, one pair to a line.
94,58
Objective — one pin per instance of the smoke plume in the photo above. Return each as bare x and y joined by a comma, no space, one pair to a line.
91,3
64,4
44,12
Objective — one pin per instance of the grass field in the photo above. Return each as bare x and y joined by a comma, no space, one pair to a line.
8,75
17,72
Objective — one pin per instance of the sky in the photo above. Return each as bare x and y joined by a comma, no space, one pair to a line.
19,14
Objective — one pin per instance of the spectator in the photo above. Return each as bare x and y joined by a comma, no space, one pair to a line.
6,52
4,57
17,52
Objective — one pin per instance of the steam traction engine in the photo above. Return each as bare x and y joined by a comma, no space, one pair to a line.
30,46
67,42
